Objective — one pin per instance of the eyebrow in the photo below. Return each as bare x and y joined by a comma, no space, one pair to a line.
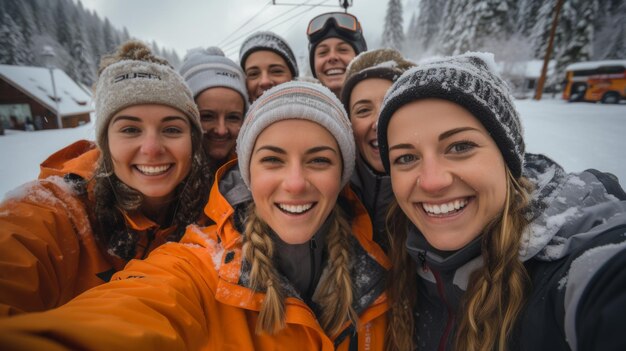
279,150
137,119
443,136
451,132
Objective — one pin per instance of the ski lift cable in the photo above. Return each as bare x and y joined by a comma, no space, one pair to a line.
233,49
237,41
244,24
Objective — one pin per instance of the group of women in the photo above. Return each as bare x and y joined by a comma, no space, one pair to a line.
391,206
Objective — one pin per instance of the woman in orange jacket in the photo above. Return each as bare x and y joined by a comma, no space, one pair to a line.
289,264
96,207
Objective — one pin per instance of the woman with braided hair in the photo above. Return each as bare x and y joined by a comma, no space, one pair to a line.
97,206
493,248
289,265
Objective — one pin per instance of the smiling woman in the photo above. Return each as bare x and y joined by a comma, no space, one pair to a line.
289,264
493,248
95,207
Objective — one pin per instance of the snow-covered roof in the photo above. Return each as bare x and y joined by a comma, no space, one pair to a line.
37,83
594,64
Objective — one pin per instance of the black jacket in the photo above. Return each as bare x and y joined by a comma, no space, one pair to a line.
575,253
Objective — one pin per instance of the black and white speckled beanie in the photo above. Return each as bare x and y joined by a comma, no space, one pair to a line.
469,80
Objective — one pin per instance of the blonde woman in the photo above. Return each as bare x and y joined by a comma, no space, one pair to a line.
290,263
97,206
509,251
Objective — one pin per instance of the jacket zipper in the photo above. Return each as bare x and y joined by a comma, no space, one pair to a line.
375,207
449,323
312,247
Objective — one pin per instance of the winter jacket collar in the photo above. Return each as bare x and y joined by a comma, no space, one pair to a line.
566,209
79,158
374,191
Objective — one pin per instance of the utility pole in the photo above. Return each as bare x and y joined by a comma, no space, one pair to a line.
546,59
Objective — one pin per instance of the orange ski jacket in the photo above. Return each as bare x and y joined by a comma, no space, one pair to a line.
192,296
48,251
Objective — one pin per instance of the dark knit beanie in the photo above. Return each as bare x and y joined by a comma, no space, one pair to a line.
269,41
355,39
469,80
381,63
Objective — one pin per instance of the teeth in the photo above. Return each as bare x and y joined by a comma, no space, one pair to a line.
150,170
331,72
444,208
374,143
295,208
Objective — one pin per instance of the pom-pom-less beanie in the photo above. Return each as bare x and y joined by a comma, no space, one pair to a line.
469,80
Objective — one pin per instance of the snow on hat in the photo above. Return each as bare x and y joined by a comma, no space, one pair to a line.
297,100
381,63
469,80
134,76
355,39
266,40
209,68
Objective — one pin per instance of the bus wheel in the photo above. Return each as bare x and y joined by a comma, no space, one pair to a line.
610,98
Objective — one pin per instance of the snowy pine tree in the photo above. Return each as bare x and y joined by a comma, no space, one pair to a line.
13,51
64,32
610,26
541,30
424,29
393,34
108,37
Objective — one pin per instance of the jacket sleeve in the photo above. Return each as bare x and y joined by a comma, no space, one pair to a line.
602,310
39,247
152,304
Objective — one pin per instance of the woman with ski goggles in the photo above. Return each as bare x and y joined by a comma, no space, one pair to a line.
335,38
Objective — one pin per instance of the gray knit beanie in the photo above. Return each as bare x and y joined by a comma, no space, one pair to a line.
209,68
469,80
268,41
297,100
134,76
380,63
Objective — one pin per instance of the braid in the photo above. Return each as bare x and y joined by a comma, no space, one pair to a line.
336,293
496,292
258,251
401,284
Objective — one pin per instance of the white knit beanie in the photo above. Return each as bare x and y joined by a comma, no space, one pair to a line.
137,77
209,68
297,100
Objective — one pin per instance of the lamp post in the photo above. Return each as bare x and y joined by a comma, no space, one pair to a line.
48,56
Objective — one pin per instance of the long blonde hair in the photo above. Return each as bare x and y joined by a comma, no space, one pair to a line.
335,289
496,292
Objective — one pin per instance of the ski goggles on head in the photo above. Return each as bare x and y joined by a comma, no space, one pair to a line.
342,20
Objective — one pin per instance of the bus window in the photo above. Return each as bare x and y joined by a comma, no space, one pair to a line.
595,81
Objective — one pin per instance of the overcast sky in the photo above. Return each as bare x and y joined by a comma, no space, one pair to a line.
184,24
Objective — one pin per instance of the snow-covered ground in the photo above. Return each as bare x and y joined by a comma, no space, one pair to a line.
578,136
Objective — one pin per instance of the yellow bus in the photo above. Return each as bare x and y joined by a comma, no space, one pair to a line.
596,81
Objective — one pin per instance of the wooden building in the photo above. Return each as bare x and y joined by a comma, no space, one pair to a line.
28,99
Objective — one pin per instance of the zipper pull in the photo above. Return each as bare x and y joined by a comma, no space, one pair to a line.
313,244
